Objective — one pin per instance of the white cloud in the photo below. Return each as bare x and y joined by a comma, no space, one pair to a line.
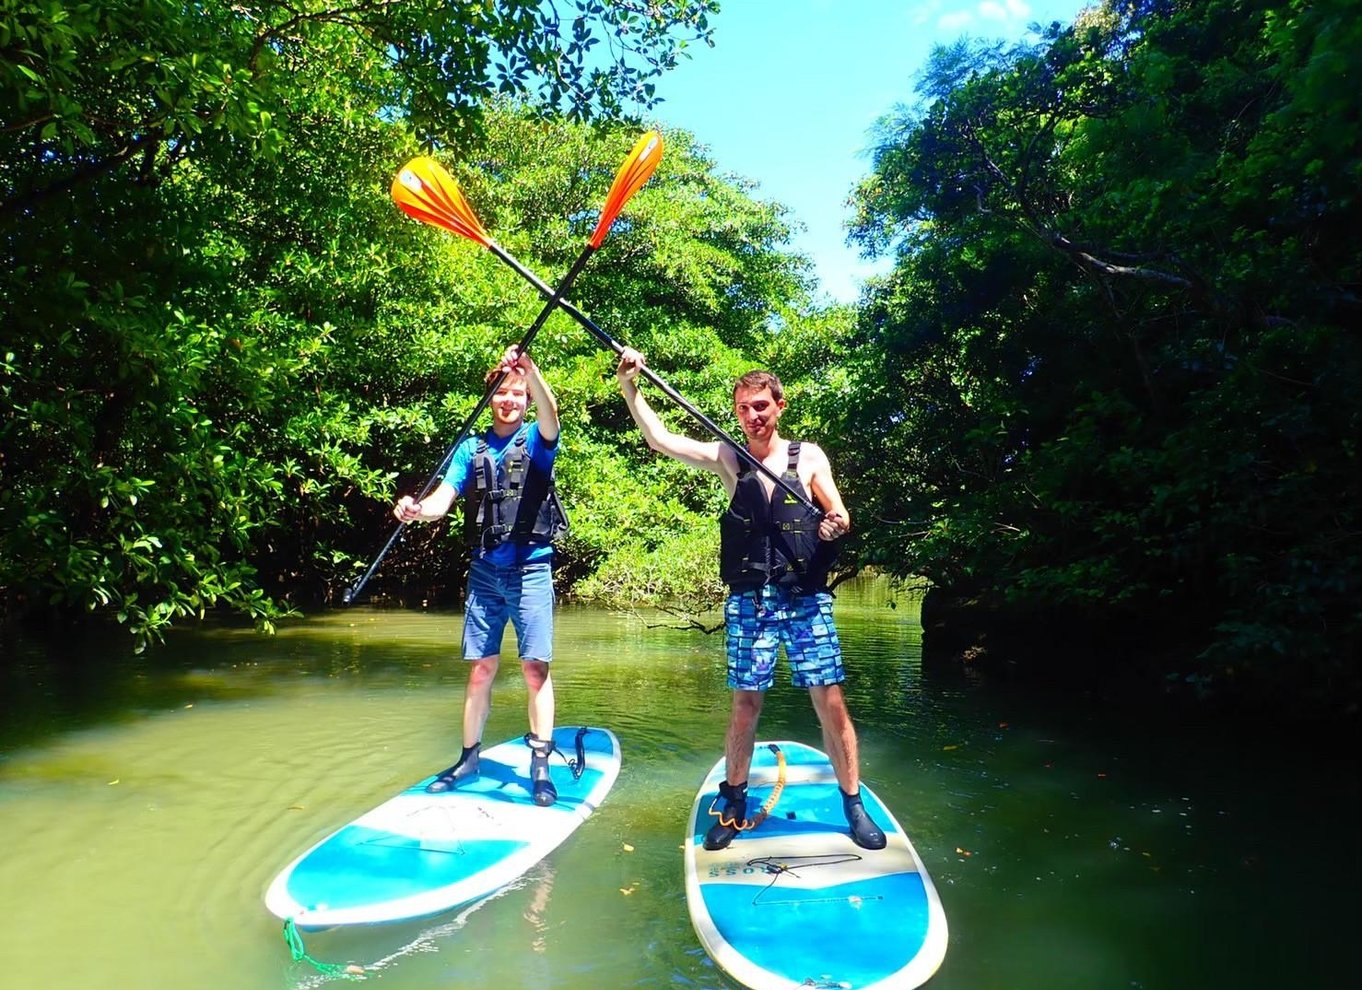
924,13
1004,11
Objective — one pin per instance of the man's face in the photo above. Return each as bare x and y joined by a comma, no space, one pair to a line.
510,401
757,412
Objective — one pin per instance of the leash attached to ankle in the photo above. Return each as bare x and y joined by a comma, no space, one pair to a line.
541,784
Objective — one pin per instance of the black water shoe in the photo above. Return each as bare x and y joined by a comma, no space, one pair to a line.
864,832
467,767
541,783
731,818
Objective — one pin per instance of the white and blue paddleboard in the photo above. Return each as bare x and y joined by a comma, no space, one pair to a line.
419,854
794,902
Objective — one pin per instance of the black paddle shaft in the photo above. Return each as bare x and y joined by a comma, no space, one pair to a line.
555,298
590,326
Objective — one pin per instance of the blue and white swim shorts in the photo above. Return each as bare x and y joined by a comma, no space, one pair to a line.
758,622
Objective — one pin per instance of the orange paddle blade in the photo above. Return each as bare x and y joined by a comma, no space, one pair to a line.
641,163
424,190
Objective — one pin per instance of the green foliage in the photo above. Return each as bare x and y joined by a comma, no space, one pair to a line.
221,344
90,88
1114,366
680,573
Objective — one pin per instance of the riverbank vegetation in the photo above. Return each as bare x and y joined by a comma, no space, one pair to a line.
1118,355
1109,386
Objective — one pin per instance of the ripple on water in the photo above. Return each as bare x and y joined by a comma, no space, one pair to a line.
146,815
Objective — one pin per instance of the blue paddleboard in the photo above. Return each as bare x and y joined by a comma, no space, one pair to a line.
418,854
795,903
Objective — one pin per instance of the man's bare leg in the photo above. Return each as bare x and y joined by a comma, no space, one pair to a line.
742,737
839,736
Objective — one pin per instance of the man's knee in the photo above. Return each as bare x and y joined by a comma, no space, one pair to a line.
536,673
830,704
747,704
483,670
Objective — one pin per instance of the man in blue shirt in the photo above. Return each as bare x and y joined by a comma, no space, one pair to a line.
512,515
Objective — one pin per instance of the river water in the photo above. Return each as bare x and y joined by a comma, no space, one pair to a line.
147,801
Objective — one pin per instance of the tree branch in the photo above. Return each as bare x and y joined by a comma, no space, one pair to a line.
146,144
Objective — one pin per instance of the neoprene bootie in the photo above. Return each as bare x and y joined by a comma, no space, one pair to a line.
864,832
731,818
541,784
467,767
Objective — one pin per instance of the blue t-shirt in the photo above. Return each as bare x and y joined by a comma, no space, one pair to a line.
542,455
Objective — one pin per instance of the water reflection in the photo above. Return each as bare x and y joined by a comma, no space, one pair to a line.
147,801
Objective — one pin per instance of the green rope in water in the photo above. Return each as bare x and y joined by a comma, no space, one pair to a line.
295,946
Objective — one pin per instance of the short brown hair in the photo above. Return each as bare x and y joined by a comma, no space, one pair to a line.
758,380
492,376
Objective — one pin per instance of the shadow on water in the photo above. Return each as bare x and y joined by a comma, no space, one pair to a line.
89,674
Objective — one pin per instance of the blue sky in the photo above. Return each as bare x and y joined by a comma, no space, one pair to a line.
790,91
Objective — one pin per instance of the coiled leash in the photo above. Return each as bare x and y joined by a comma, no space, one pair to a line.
578,766
295,947
747,824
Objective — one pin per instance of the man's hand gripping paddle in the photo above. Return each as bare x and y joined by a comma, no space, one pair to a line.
427,192
431,195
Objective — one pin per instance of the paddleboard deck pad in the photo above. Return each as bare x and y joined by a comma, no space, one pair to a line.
794,902
419,854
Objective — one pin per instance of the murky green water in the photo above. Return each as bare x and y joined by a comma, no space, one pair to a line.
145,805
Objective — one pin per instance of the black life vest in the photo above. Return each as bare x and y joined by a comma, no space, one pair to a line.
511,500
772,539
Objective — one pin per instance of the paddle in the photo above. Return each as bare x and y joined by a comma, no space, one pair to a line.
435,198
425,201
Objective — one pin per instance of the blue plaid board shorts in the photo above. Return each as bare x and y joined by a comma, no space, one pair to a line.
759,621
